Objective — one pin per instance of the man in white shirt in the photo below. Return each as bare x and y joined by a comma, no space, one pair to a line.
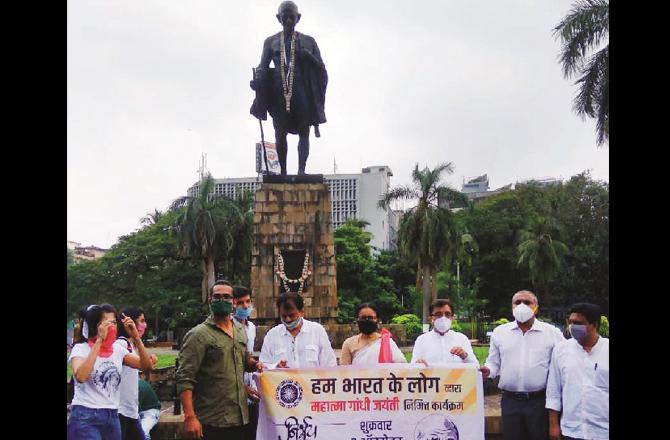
442,345
243,308
579,380
520,353
296,342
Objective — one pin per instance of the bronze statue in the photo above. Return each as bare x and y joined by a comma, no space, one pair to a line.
294,91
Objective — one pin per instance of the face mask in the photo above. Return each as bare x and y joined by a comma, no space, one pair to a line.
242,313
367,327
578,331
141,327
442,324
110,338
522,313
292,324
221,308
107,347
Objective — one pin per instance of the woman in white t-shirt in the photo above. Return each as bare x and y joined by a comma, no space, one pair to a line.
96,367
131,428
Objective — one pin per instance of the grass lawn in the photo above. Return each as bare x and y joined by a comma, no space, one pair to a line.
166,360
480,352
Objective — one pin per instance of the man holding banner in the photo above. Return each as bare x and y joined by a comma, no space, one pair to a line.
388,401
296,342
442,345
520,353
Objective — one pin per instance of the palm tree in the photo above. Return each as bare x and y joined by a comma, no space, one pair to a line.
542,254
462,252
426,231
581,31
208,228
151,218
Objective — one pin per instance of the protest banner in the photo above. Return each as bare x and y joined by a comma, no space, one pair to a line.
387,401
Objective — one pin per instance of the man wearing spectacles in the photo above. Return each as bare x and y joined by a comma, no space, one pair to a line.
296,342
442,345
520,354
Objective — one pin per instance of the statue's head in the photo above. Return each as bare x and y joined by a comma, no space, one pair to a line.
288,14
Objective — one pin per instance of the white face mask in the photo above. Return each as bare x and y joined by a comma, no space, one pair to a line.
522,313
442,324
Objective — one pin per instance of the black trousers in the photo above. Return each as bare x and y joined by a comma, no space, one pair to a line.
131,429
524,419
253,422
231,433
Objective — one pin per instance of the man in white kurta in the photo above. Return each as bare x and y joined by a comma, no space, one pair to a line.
296,342
578,385
442,345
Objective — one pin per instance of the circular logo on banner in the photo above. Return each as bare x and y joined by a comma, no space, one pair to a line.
289,393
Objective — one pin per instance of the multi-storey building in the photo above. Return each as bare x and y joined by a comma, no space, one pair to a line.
353,196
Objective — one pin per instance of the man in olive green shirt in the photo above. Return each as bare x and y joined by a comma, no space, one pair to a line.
210,382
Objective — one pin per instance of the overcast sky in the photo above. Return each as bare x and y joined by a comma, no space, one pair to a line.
153,84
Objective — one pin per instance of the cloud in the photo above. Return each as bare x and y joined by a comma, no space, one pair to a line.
153,84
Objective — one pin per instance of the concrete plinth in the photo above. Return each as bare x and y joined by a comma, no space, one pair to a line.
293,216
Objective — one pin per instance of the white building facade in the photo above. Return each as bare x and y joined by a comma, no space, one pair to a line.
353,196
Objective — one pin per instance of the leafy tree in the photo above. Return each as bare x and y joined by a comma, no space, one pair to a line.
583,30
210,228
411,322
360,278
583,210
542,255
426,231
144,269
604,329
464,298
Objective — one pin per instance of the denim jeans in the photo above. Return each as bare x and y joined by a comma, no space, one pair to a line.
93,424
148,419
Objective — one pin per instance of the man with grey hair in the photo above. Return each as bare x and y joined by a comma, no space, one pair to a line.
520,354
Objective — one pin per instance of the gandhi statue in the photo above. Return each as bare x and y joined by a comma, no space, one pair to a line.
294,91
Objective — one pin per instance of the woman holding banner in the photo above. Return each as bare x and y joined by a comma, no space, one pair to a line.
370,347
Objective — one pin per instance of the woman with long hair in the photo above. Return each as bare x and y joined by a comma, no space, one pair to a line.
131,428
96,366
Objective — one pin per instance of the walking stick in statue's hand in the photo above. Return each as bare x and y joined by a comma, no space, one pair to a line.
260,124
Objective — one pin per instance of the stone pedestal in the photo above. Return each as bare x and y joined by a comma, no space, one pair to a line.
293,216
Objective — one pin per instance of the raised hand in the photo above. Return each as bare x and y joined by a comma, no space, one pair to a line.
130,327
102,329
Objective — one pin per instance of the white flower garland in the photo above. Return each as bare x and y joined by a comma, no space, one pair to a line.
279,270
287,84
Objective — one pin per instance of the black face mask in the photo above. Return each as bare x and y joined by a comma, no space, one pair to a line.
367,327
